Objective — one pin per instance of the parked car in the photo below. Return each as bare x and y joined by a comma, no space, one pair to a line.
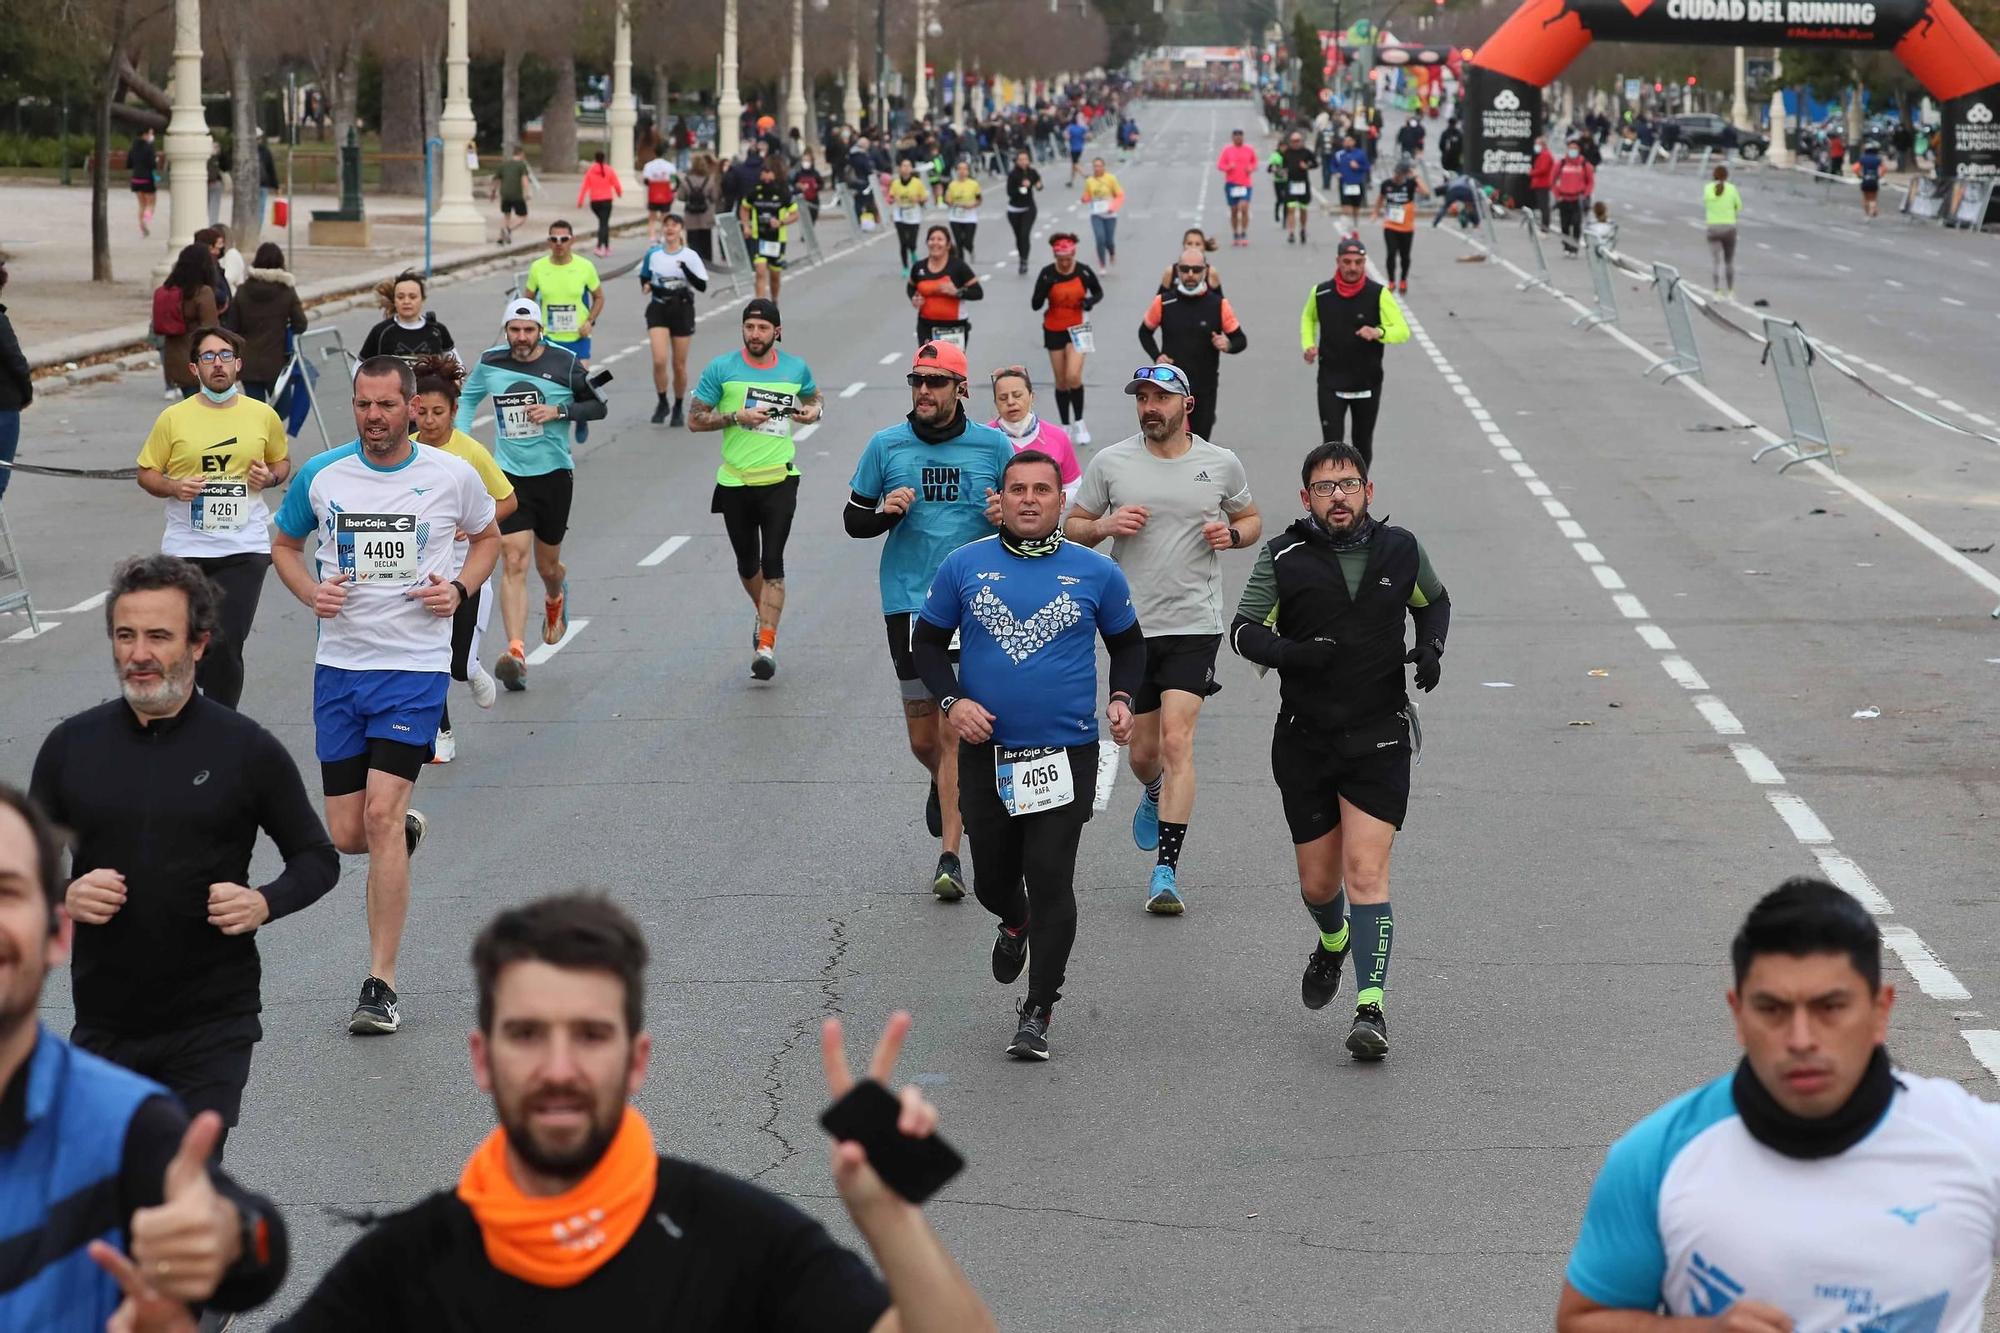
1702,130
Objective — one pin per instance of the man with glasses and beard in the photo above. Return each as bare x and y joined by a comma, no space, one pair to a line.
163,792
96,1160
925,483
1324,607
1191,324
567,1216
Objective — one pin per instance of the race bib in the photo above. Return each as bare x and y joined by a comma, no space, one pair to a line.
1297,189
510,414
950,333
1399,213
1349,191
770,400
1100,207
770,249
909,214
962,214
563,319
221,506
1082,339
1034,779
1237,193
376,548
1352,394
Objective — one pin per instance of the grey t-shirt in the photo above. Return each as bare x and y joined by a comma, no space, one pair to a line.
1175,575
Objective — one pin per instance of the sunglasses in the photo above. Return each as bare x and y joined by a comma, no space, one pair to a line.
561,240
916,381
1166,375
1020,372
1191,268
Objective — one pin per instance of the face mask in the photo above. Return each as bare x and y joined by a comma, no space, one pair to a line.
218,398
1573,153
1196,288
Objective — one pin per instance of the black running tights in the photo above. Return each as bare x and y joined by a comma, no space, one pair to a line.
1396,245
1333,413
240,578
1023,224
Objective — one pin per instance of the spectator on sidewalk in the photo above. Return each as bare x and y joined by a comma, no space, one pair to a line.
511,180
600,185
17,388
216,242
1836,153
267,178
1573,184
700,183
267,309
1541,175
215,165
193,279
142,162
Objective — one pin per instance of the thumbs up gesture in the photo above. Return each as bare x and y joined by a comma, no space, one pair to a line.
183,1247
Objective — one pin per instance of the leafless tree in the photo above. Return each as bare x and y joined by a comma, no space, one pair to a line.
114,27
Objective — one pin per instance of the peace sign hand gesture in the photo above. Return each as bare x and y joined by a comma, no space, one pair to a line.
861,1189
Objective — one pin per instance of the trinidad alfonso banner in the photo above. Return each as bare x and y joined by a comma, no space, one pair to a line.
1502,104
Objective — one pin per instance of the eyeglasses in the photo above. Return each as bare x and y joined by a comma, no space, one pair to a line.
225,356
1345,485
1162,375
916,381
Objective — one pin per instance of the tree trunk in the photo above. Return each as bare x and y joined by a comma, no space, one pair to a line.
246,214
510,99
559,116
663,120
345,99
100,169
434,89
402,125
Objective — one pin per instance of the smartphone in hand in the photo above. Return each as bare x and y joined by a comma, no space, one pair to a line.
914,1168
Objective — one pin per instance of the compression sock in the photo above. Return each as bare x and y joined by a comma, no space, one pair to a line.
1062,404
1331,918
1076,397
767,638
444,718
1171,838
1373,930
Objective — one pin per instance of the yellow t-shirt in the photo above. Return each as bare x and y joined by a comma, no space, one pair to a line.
461,445
195,438
1103,187
905,195
962,194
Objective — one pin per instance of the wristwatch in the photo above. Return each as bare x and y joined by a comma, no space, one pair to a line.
1235,537
944,704
1120,697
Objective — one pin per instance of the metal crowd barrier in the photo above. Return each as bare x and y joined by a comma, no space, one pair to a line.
809,233
1541,277
1606,311
734,253
1790,358
302,372
1487,208
1686,359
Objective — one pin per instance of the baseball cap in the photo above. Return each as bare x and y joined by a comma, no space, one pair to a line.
1350,246
522,308
1170,378
947,357
763,308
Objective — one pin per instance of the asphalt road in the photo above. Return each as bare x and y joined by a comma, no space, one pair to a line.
1646,720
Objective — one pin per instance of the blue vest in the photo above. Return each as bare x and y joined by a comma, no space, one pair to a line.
59,1189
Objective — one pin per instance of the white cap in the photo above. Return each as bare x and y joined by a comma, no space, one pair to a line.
522,308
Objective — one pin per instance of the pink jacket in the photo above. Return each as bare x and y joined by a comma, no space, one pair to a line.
1052,440
599,183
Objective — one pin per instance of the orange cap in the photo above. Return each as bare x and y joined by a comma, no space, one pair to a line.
947,357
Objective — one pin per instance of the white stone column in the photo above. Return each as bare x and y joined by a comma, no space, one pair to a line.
1739,103
795,96
920,95
621,118
960,103
728,103
850,97
457,220
187,141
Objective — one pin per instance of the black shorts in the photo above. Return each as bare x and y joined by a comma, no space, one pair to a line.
345,777
516,207
758,520
1076,155
660,210
1871,187
900,627
676,317
1367,766
544,508
205,1066
1054,340
1183,662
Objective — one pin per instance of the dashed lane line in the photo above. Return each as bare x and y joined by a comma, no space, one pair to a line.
544,651
659,554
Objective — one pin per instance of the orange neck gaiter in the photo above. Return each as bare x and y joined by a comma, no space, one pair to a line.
560,1241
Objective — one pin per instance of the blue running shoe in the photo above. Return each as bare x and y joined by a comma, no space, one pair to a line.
1146,823
1164,895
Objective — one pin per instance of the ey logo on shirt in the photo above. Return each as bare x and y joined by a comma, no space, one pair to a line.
940,483
215,462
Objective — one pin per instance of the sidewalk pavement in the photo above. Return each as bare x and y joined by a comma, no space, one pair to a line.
61,316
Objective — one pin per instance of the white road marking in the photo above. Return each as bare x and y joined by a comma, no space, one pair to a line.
1540,488
890,359
22,636
1951,300
1797,255
1499,441
1843,873
1523,470
1719,717
805,432
659,553
854,388
1985,1045
1107,775
1949,405
1799,817
1570,528
1586,552
87,604
1683,673
1607,577
1756,767
1843,268
1630,607
1892,282
543,652
1556,508
1510,455
1655,638
1933,978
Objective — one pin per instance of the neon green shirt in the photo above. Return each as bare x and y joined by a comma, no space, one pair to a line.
564,292
1722,208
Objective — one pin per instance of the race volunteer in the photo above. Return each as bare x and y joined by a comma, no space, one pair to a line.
162,792
1816,1188
1324,608
1238,164
407,329
924,483
538,388
754,396
385,585
211,457
670,274
1169,500
907,196
1396,210
571,299
939,285
962,198
439,381
1068,288
1191,325
1022,183
1029,607
1293,167
767,213
1344,327
96,1160
1351,164
567,1215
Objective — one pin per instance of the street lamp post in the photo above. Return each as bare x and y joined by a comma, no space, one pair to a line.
188,144
795,97
850,97
728,103
920,99
457,220
621,118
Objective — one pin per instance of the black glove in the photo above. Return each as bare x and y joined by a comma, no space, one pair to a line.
1429,666
1307,657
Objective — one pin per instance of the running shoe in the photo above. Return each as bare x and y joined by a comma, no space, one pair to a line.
1403,286
679,418
445,748
415,829
582,431
512,669
376,1011
765,664
934,812
1081,435
1322,978
1163,896
1368,1039
1146,822
484,688
555,615
1010,953
1031,1033
949,886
